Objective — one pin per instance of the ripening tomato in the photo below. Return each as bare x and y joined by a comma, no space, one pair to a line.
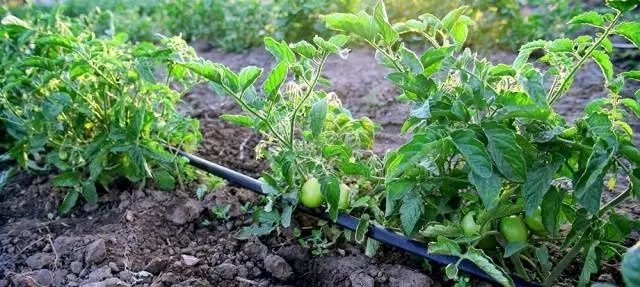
513,229
534,222
311,196
345,194
469,226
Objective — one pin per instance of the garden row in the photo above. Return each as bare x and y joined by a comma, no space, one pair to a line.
491,174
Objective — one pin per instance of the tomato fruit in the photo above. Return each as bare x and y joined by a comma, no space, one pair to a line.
311,196
534,222
513,229
469,226
630,152
345,194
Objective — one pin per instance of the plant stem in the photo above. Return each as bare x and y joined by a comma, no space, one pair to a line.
519,267
615,201
304,99
553,96
555,273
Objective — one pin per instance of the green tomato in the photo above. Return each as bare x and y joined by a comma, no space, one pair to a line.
534,222
513,229
469,226
311,196
345,194
631,266
630,152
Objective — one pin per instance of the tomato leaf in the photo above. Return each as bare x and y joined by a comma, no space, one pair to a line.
304,49
488,188
551,204
487,265
362,228
631,31
513,248
590,265
66,179
633,105
473,151
89,192
317,116
248,76
445,246
242,120
605,64
69,202
164,180
505,151
410,212
539,180
277,76
280,50
330,188
389,35
588,186
590,18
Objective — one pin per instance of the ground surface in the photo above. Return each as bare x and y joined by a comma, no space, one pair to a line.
146,237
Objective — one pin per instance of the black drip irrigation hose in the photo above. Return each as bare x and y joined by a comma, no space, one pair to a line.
349,222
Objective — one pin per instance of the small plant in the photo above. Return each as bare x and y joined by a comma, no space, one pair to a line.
221,212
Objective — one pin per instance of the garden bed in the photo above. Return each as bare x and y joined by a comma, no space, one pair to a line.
148,237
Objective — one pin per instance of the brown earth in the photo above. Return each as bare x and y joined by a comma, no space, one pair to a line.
145,237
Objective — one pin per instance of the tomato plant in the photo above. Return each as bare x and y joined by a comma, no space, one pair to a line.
486,142
93,108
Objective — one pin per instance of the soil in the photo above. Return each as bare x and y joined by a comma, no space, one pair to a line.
146,237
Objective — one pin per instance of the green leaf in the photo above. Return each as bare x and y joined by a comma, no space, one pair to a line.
449,20
280,50
242,120
330,187
210,71
432,58
252,231
588,187
590,265
560,46
605,64
304,49
445,246
421,146
67,179
134,129
410,212
488,188
460,30
539,180
436,230
248,76
410,60
10,20
542,254
56,40
513,248
389,35
551,205
520,105
287,212
396,191
631,266
632,105
372,247
505,151
631,31
5,176
476,157
276,78
623,5
416,87
361,24
164,180
89,192
317,116
632,75
590,18
362,228
532,83
525,52
69,202
487,265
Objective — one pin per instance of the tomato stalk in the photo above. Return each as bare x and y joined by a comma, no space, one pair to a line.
554,95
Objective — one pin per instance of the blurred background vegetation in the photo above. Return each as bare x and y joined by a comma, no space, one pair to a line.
234,25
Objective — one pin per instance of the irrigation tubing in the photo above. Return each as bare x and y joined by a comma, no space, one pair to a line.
349,222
